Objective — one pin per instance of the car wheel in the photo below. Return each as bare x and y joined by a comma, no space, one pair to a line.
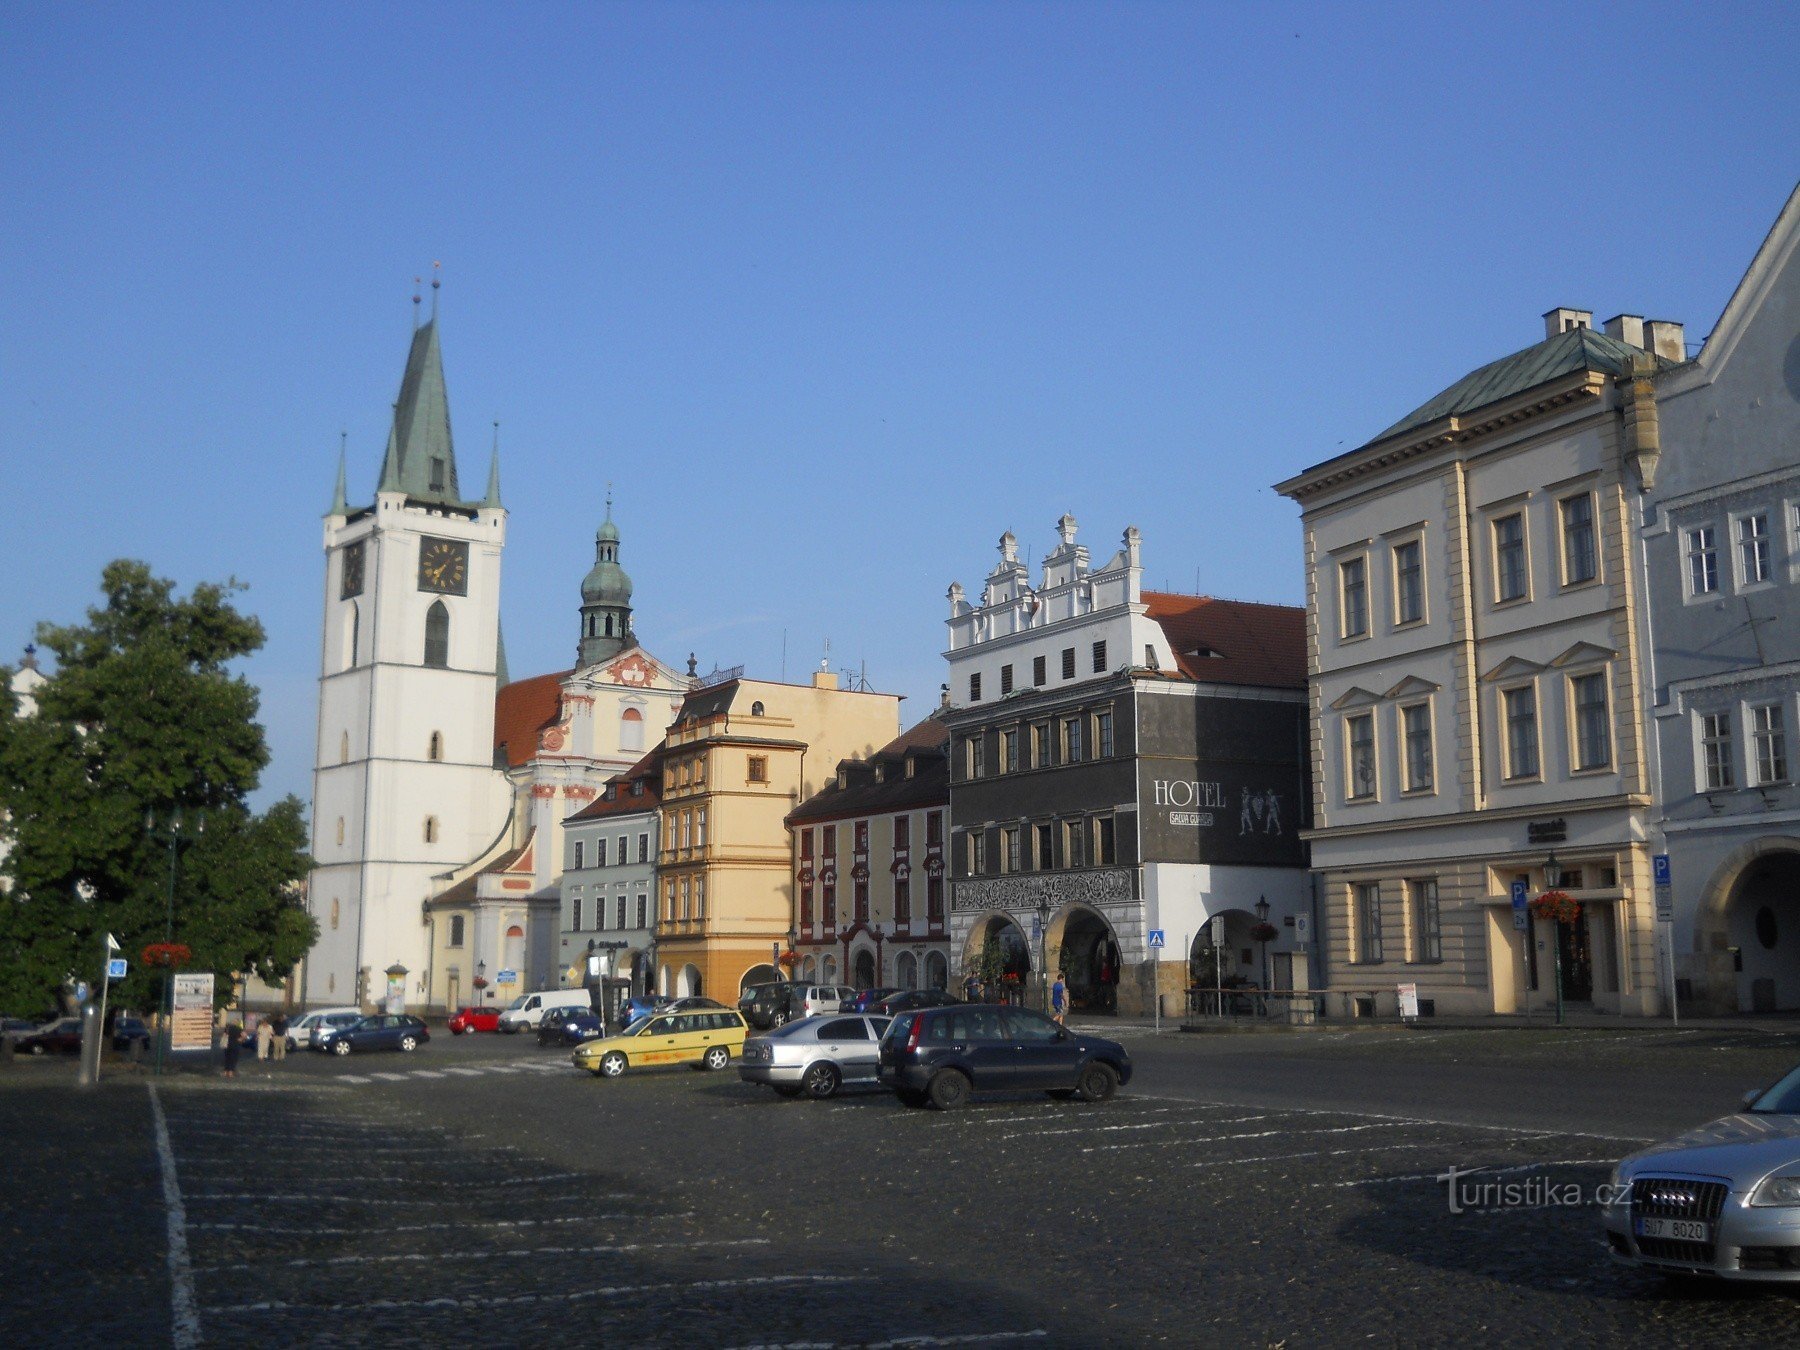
948,1090
409,1043
37,1049
717,1057
822,1081
340,1046
785,1090
1097,1083
778,1018
612,1064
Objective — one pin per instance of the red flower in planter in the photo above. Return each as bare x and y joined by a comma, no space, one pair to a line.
1557,906
1264,932
167,955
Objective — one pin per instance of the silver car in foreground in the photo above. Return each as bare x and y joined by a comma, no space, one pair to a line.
816,1055
1721,1200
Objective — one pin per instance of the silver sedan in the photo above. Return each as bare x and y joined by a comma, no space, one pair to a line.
1721,1200
816,1055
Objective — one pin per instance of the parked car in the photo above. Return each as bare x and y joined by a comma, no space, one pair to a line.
766,1005
385,1031
817,1055
61,1037
527,1010
909,999
692,1001
16,1028
1721,1200
465,1021
868,998
568,1026
700,1039
942,1055
301,1030
129,1031
641,1005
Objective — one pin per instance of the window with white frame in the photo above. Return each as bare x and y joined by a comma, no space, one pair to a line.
1716,760
1071,740
1427,926
977,852
1511,579
1593,727
1415,731
575,921
1409,582
1702,550
1366,900
1359,760
975,756
1768,736
579,848
1353,597
1580,554
1520,707
1752,533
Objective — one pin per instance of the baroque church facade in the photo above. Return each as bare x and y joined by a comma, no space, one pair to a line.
440,785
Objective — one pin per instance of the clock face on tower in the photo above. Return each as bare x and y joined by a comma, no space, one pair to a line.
444,566
353,571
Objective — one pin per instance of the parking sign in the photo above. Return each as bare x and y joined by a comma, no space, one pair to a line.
1521,918
1659,865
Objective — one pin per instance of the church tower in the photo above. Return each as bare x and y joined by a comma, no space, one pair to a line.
605,600
404,784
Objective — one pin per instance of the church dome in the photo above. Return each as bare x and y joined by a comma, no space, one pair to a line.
607,583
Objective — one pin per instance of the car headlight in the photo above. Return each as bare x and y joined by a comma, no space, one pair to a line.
1777,1190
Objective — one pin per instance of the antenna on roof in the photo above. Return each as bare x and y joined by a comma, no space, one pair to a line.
825,661
417,282
436,281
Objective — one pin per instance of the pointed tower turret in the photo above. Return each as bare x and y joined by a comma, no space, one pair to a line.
492,497
340,505
420,459
605,599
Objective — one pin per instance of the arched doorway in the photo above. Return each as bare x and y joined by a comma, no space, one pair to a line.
1763,924
828,970
864,970
763,974
999,954
906,971
1226,960
809,970
1088,954
515,950
688,986
937,971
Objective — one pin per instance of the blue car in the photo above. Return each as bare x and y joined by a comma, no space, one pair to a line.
568,1026
386,1031
641,1005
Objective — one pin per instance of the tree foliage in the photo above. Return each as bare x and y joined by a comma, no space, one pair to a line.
144,718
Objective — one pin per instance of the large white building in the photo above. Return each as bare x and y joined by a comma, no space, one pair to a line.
441,786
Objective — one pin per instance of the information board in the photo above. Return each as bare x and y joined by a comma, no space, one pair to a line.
192,1027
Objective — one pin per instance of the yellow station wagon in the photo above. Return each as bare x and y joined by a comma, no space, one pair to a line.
702,1039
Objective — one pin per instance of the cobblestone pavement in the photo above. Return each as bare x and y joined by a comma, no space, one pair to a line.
514,1205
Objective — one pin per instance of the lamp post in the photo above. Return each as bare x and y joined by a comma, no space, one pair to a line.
1553,878
175,830
480,985
1262,923
794,966
1043,935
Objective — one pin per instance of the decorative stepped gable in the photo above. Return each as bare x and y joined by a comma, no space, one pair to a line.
420,459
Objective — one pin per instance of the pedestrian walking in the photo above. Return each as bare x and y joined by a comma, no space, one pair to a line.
265,1037
278,1025
233,1036
972,988
1059,998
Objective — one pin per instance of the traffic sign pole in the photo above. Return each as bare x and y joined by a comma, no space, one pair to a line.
1156,946
1664,876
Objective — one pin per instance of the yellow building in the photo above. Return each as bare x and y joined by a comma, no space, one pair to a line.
740,756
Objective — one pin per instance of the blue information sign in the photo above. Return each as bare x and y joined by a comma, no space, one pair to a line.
1659,864
1156,938
115,968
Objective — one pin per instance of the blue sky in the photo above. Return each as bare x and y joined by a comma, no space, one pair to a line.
832,293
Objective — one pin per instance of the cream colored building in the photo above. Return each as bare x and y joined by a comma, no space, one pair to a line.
1477,692
741,755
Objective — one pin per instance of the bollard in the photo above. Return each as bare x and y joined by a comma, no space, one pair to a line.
90,1045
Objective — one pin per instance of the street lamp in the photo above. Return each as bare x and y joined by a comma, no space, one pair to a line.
480,981
1043,920
1552,879
1262,926
175,831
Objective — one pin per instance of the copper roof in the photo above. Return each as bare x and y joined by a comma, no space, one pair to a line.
1233,641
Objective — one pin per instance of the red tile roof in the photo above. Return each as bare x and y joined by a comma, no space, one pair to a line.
648,770
522,710
1233,641
929,734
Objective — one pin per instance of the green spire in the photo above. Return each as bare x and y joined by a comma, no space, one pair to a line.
493,488
421,461
340,506
501,675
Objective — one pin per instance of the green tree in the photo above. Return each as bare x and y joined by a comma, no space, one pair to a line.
143,716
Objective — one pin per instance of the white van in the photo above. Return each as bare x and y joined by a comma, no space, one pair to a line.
527,1010
300,1032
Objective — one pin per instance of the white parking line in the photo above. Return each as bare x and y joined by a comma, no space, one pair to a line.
1420,1120
315,1198
902,1342
465,1073
461,1224
1474,1174
512,1300
1207,1121
392,1077
427,1073
1317,1153
1255,1134
351,1078
488,1254
185,1319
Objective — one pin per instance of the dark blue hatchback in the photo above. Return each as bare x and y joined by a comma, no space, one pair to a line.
386,1031
942,1055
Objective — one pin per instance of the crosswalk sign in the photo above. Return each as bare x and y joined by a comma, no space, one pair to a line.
1156,938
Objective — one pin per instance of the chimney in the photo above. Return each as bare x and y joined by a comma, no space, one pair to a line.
1562,319
1627,328
1666,339
824,679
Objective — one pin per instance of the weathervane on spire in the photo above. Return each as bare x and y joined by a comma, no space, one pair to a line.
436,281
417,283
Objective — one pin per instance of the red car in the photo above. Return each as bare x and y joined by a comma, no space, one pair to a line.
474,1019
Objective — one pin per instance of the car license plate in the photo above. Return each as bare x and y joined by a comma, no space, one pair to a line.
1678,1230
